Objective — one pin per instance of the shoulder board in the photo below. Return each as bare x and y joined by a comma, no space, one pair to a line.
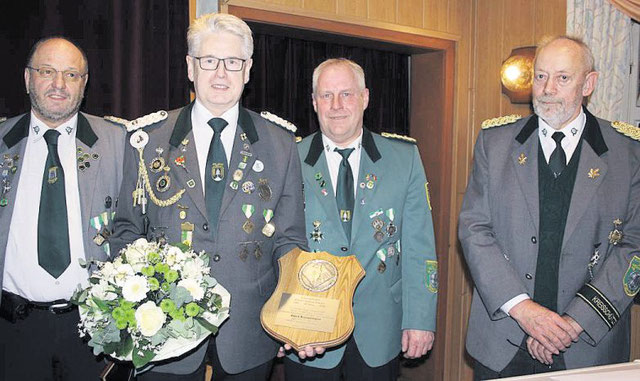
627,129
399,137
500,121
279,121
298,139
140,122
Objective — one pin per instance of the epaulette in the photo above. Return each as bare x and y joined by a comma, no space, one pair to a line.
399,137
627,129
500,121
140,122
298,139
279,121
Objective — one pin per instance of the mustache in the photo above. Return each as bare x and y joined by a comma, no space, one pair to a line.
548,99
59,92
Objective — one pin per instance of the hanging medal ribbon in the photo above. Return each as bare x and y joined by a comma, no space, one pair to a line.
248,210
391,228
186,235
269,228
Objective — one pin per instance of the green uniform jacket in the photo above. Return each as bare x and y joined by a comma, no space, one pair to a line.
391,184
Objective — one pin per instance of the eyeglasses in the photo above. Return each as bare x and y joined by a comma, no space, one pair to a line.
211,63
50,73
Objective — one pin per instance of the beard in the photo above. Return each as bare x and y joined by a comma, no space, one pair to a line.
38,104
559,112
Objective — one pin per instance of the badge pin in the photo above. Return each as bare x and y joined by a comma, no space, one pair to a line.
316,235
616,235
163,183
258,166
382,267
237,175
264,190
243,136
522,159
233,185
244,253
242,165
52,176
258,251
180,162
191,183
217,171
156,164
345,215
594,173
248,187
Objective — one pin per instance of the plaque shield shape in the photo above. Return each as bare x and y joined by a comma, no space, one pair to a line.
313,301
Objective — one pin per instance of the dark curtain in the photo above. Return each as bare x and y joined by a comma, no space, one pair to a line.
136,51
281,81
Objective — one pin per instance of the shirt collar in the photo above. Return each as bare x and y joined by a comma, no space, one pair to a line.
330,146
67,130
202,115
572,131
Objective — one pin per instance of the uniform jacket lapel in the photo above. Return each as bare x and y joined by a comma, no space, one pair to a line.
183,130
243,146
86,139
368,160
13,143
524,157
316,164
591,159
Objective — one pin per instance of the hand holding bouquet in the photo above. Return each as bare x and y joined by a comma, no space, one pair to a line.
153,302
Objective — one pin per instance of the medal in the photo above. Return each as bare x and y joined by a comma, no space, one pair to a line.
183,211
264,190
257,252
158,162
377,224
616,235
237,175
316,235
391,228
378,236
248,210
217,171
381,267
163,183
244,253
186,234
269,228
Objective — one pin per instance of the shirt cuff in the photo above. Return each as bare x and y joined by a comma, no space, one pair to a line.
512,302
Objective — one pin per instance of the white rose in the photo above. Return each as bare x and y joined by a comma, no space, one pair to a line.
135,255
135,288
122,273
150,318
193,286
141,243
103,291
191,270
108,270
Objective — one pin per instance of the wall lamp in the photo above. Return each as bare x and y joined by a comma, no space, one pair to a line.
516,74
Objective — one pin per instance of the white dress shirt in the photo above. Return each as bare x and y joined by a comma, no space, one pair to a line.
203,133
572,133
22,273
334,159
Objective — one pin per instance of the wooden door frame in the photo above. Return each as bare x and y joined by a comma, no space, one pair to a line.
436,155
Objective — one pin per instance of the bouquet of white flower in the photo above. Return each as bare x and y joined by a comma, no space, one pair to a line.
151,303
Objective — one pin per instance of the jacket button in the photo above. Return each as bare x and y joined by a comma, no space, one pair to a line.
528,276
205,227
533,239
344,248
216,258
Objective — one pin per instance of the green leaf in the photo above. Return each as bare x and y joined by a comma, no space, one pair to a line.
210,327
180,246
141,357
101,304
125,347
94,280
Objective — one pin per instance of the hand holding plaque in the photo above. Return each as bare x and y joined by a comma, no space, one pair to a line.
312,304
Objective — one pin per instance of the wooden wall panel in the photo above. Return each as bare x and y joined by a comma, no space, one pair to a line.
327,6
382,10
411,12
353,8
435,14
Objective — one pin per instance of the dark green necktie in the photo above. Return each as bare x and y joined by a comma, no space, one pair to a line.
53,225
344,190
215,173
558,159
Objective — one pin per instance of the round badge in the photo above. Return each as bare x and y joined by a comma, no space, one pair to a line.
139,139
248,187
258,166
237,175
369,184
163,183
156,164
318,275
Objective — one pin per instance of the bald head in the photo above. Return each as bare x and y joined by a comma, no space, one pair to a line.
567,43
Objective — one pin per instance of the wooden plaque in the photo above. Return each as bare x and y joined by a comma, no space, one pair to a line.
312,304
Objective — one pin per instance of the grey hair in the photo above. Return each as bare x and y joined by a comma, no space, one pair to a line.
587,55
357,71
219,22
